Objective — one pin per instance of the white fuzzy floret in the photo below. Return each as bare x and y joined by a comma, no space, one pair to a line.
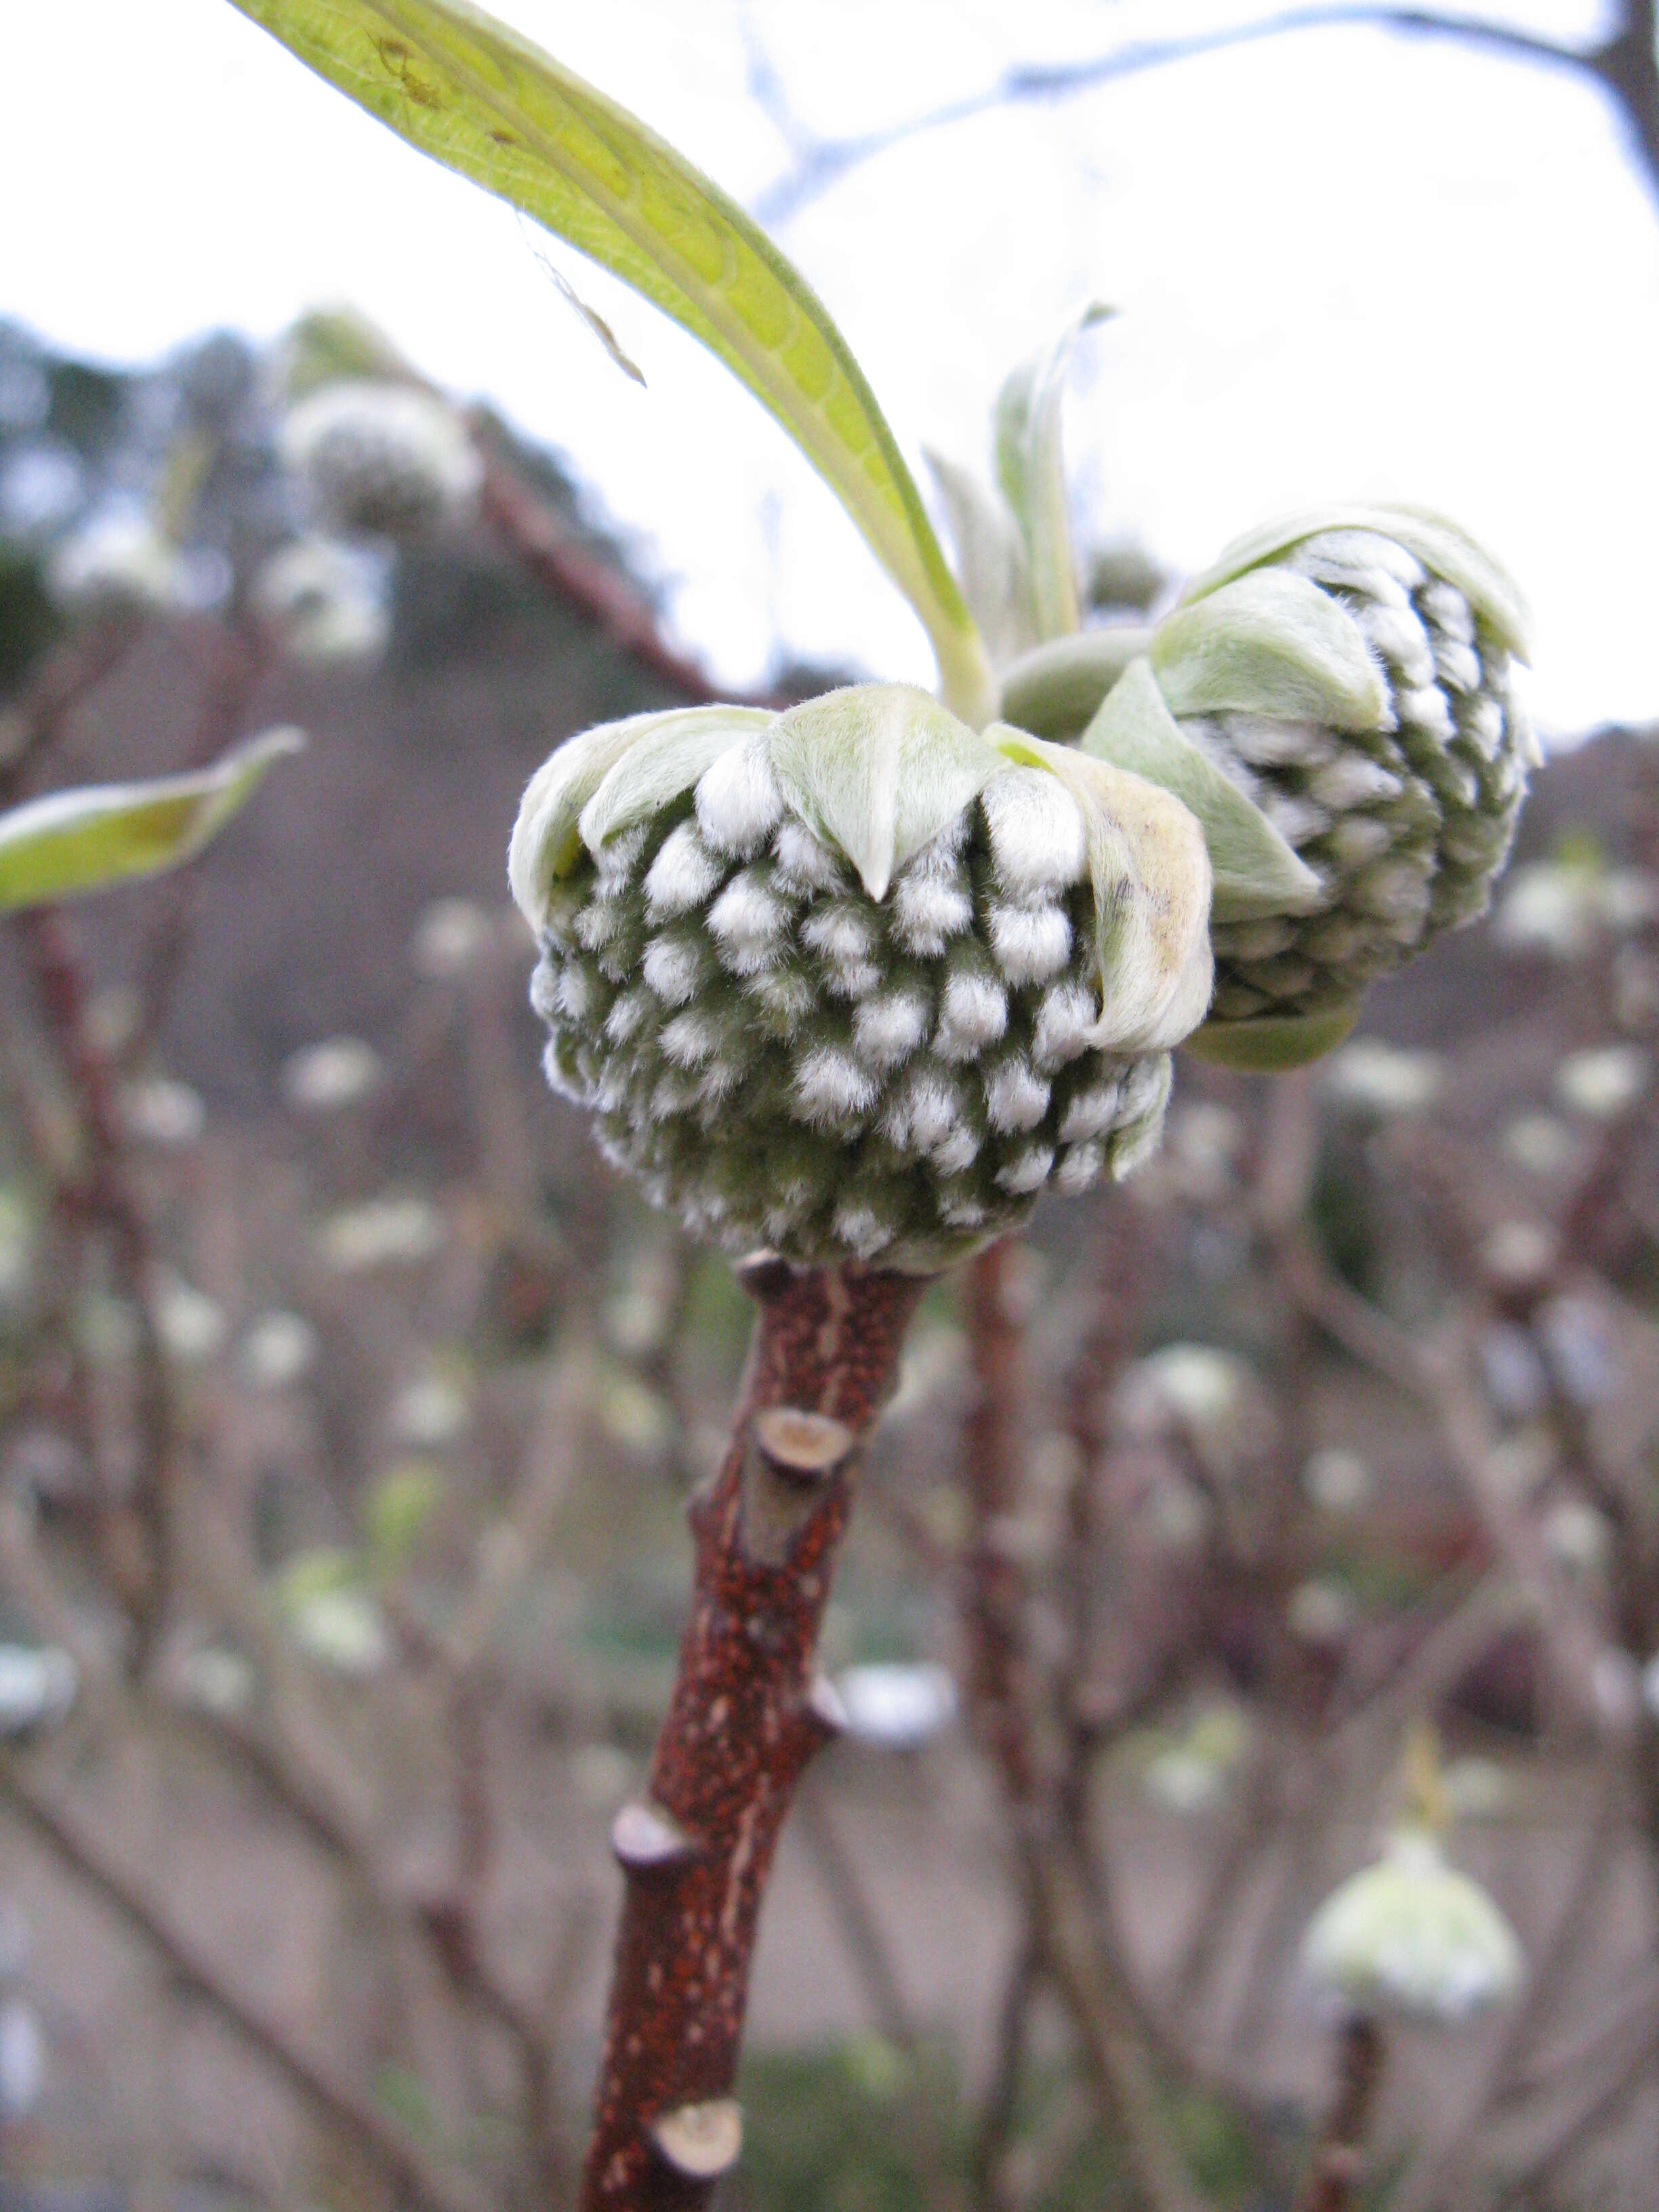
972,1013
960,1209
747,920
1397,632
682,875
926,1112
1297,820
1030,942
1357,838
691,1040
862,1228
956,1154
1144,1087
1362,559
856,980
1264,742
575,992
1396,892
930,907
784,994
1427,708
673,967
630,1015
1090,1113
1457,665
888,1028
1080,1168
831,1087
738,803
1036,832
806,863
1064,1020
1028,1170
1015,1096
1483,724
719,1081
1353,781
840,933
544,989
1449,610
615,863
563,1082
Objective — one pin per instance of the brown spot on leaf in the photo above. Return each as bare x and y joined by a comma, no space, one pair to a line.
399,61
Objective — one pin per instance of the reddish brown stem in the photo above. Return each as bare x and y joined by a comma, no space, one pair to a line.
1330,2184
570,570
993,1586
103,1196
745,1719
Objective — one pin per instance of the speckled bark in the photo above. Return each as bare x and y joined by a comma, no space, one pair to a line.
743,1720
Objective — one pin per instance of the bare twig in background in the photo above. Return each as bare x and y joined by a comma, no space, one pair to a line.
1623,64
431,2182
577,577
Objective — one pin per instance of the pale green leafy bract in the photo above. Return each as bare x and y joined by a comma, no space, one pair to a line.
878,770
663,762
1256,871
1441,546
991,562
1031,469
1151,874
1271,642
1272,1042
546,838
491,105
1056,690
84,840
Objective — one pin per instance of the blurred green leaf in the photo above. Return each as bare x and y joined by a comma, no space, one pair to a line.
1030,469
489,105
80,841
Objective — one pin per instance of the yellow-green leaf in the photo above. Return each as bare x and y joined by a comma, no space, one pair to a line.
80,841
492,107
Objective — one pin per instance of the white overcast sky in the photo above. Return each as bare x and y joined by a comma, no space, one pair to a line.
1347,264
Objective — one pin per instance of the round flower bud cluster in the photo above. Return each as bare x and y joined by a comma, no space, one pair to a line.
387,458
853,981
1413,1937
118,564
1350,675
325,601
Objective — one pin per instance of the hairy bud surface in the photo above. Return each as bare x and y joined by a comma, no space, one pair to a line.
854,980
1351,676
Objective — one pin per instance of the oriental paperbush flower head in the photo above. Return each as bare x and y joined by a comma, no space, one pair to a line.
1349,677
1412,1938
855,980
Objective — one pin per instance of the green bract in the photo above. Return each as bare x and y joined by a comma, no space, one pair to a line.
1334,701
854,979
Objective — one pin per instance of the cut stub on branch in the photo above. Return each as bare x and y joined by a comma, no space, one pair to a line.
748,1710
